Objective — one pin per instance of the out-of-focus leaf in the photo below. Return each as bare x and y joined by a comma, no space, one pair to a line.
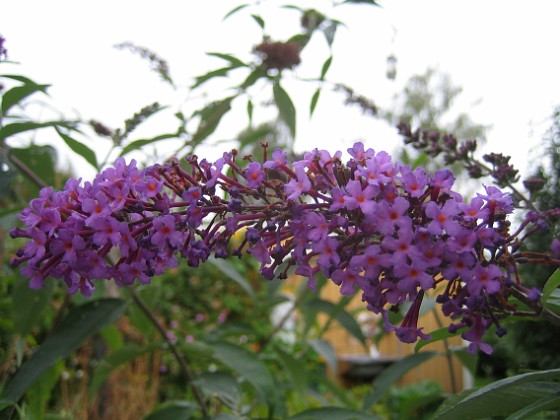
173,410
40,160
286,108
115,359
324,348
210,117
550,402
553,301
223,72
250,111
292,6
81,323
221,385
295,368
20,127
341,315
468,360
17,94
255,75
138,144
112,337
437,335
250,367
314,100
80,149
502,397
40,393
551,284
371,2
259,20
234,61
301,39
333,413
326,67
226,268
25,298
329,30
251,136
235,10
392,374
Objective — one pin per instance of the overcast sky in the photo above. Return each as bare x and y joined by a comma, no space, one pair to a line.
505,54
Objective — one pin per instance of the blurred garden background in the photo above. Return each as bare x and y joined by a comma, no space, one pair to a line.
84,84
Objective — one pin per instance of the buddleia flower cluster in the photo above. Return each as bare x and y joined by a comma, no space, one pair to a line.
390,232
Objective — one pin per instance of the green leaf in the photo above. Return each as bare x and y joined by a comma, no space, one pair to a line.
115,359
553,301
314,100
250,111
221,385
254,135
301,39
235,10
210,117
40,160
551,284
371,2
138,144
286,108
173,410
469,360
255,75
501,397
81,323
329,31
333,413
226,268
25,298
295,368
40,393
80,149
437,335
112,337
325,349
550,402
341,315
259,20
234,61
223,72
326,66
392,374
250,367
17,94
21,127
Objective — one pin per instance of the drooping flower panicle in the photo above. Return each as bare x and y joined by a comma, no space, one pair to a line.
390,231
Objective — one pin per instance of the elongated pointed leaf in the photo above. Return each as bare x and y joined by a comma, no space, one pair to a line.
325,349
81,323
552,283
223,72
329,31
295,369
333,413
235,10
40,160
210,117
370,2
341,315
40,393
250,367
259,20
314,100
221,385
392,374
550,402
250,111
173,410
25,298
138,144
21,127
501,397
226,268
234,61
17,94
80,149
437,335
326,67
286,108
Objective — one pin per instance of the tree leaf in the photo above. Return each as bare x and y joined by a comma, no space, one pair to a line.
80,149
138,144
17,94
391,375
226,268
325,349
222,385
235,10
286,108
333,413
259,20
81,323
24,298
234,61
173,410
250,367
341,315
326,66
501,397
314,100
550,402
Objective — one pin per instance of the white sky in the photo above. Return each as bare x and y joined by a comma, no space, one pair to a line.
505,54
